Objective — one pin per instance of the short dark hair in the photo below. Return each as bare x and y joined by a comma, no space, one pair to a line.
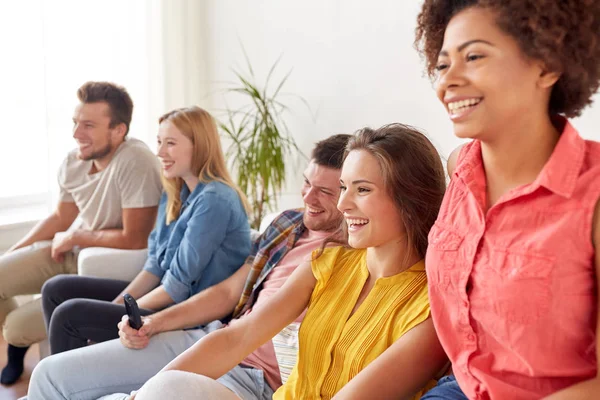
117,98
564,34
330,152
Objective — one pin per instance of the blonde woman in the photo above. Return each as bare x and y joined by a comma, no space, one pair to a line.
201,237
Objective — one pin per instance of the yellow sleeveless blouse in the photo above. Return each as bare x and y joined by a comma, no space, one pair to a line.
334,346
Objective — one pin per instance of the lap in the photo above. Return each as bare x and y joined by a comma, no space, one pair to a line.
245,383
446,389
183,385
109,367
65,287
24,271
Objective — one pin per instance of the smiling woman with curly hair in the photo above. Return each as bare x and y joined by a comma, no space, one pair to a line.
514,257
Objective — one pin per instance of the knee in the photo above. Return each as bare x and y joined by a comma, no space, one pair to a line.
15,329
165,384
43,375
185,386
55,286
65,312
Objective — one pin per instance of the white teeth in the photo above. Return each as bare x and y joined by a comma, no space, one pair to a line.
456,105
354,221
314,211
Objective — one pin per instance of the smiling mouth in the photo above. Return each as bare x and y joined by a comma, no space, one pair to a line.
314,211
458,110
356,223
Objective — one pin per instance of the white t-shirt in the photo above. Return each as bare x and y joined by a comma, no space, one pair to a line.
131,180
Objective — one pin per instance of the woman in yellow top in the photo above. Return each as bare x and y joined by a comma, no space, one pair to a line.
367,333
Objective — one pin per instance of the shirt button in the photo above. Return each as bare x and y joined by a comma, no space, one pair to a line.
471,337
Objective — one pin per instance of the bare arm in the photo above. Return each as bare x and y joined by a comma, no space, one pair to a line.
143,283
60,220
402,370
137,225
156,300
588,389
215,302
223,349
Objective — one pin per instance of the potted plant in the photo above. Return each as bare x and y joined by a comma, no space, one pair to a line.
260,140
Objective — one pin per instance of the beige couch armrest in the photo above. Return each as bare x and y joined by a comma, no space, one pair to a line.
108,263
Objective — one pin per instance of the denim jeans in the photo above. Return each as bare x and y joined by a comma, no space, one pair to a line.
446,389
106,368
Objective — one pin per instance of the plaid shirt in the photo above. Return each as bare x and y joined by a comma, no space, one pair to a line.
279,238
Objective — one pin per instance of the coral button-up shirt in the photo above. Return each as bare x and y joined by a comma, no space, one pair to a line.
512,290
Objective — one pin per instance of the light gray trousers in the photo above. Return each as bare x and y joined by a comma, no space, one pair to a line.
106,368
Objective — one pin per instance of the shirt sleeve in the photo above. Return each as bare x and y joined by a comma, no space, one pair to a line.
205,232
138,178
151,264
64,195
416,312
322,265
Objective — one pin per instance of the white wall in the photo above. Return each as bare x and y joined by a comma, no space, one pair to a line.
352,60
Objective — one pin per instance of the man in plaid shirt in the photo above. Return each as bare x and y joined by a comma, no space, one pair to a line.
124,365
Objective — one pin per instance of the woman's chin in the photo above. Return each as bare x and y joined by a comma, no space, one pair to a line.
356,243
462,131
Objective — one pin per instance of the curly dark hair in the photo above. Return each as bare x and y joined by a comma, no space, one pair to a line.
564,34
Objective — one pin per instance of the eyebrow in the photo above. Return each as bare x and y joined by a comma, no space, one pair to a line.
84,121
467,44
356,182
317,186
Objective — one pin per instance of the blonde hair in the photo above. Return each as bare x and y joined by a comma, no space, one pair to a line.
208,161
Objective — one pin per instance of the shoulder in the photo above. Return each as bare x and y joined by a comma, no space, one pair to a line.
218,192
464,153
134,151
336,259
72,166
72,159
288,217
592,153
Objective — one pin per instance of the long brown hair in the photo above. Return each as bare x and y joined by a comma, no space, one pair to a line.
208,161
413,175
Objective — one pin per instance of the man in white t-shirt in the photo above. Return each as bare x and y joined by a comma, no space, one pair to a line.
111,183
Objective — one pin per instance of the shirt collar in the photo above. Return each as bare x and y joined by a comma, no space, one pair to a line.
187,197
561,171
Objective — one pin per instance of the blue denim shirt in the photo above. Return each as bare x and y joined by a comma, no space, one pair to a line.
207,243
